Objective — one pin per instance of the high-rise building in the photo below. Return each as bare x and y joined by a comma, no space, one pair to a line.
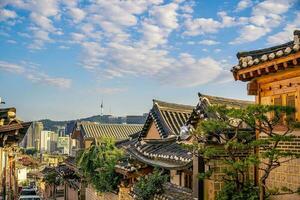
61,131
48,141
32,137
63,145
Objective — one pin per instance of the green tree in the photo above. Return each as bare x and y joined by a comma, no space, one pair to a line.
150,185
98,165
230,136
52,179
31,151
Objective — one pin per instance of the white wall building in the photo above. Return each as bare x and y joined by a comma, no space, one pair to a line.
63,144
22,175
48,141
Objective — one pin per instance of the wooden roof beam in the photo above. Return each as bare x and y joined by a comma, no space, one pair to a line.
259,72
295,62
251,74
267,69
244,76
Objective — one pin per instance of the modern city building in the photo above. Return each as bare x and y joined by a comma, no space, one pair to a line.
32,137
48,141
63,145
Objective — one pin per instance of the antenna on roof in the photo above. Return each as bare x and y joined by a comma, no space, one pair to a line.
101,106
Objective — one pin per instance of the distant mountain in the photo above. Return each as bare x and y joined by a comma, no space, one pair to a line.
136,119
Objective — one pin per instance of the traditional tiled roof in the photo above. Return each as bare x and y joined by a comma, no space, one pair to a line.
252,58
129,164
165,153
68,175
116,131
167,117
70,161
12,130
174,192
229,102
201,112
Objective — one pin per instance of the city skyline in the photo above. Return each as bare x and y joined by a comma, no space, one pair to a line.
59,59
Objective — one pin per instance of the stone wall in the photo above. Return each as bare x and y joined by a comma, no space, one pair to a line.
288,174
214,185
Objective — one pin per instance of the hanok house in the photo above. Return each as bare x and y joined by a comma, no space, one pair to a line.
207,189
273,76
73,187
156,146
88,133
12,132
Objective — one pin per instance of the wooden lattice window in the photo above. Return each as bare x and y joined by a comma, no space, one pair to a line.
277,101
290,101
188,181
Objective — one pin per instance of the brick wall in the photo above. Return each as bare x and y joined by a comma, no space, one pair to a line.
288,174
214,184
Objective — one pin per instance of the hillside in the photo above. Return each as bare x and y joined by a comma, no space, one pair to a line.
52,125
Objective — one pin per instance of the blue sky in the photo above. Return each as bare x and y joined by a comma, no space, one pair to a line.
60,58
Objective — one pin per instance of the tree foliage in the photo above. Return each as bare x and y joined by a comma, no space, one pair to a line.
98,165
230,136
30,151
150,185
52,178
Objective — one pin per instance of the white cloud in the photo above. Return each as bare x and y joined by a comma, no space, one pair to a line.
243,4
166,15
250,33
265,16
40,13
190,72
287,33
42,78
272,7
33,74
77,14
217,50
10,67
43,22
121,39
63,47
209,42
11,41
110,90
153,35
6,14
201,26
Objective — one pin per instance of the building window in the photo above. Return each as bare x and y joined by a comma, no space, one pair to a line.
277,100
290,101
188,181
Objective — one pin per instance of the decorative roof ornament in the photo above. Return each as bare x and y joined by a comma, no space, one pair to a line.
184,132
